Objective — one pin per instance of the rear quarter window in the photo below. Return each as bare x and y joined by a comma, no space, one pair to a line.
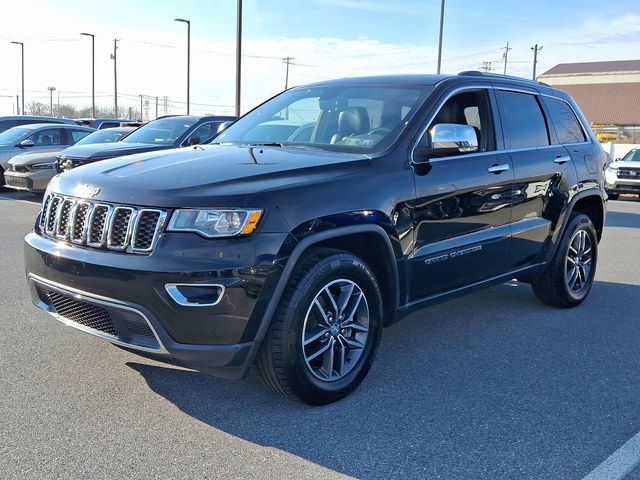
564,120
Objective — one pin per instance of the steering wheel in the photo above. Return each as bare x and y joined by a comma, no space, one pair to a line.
379,131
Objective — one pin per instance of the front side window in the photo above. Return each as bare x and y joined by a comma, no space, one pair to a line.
49,136
566,124
349,118
203,132
470,108
164,131
523,124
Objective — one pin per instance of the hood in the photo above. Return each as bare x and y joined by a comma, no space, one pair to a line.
621,164
100,151
33,158
205,176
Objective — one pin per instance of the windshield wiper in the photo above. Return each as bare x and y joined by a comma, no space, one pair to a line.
268,144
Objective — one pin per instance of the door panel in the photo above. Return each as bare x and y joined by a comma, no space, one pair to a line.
461,217
540,190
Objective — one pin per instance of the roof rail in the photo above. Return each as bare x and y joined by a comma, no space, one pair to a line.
475,73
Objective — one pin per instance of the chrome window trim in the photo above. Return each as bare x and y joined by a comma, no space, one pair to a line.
180,299
467,87
93,298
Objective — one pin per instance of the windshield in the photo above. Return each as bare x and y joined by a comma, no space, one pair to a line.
14,135
103,136
348,118
164,131
632,156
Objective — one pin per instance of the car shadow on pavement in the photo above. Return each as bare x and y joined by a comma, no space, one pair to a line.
494,385
9,194
622,219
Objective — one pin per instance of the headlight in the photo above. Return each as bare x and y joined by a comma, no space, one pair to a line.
215,223
42,166
612,169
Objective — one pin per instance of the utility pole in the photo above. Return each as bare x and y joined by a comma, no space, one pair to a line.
440,37
535,49
141,117
505,56
114,57
18,105
22,48
156,107
93,73
287,60
239,54
51,90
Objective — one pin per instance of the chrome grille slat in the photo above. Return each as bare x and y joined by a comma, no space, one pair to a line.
120,228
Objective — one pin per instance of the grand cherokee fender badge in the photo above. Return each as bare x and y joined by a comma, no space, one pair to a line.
455,254
86,190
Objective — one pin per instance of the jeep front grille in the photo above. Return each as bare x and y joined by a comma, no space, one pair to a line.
101,225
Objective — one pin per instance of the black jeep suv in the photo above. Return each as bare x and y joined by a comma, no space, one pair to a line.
321,216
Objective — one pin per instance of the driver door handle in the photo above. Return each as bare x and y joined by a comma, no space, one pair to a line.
499,168
562,159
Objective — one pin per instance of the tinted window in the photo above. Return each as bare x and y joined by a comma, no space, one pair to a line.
109,125
164,131
204,132
103,136
5,125
522,120
77,135
564,121
473,109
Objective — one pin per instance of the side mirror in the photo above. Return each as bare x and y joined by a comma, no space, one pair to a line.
193,141
447,139
617,159
26,143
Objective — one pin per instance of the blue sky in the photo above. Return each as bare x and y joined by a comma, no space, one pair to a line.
328,38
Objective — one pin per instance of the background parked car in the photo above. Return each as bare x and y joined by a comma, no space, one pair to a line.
41,137
13,121
33,171
161,134
100,123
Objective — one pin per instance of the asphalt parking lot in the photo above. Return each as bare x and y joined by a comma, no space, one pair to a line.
490,386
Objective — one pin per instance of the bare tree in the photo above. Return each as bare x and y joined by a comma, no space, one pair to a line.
37,108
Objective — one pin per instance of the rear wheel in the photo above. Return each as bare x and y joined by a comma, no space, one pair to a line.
326,331
568,278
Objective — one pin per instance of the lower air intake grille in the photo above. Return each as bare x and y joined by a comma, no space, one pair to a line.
90,316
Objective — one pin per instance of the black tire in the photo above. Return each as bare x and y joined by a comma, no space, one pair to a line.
553,287
613,196
285,365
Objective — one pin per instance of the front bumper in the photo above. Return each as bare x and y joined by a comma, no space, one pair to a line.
31,181
122,297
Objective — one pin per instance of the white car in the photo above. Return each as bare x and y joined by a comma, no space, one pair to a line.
623,176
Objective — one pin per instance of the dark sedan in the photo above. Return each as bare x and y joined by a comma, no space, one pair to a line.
161,134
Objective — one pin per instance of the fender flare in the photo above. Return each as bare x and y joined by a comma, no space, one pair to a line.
303,246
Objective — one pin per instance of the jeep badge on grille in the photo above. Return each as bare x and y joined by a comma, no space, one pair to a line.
87,190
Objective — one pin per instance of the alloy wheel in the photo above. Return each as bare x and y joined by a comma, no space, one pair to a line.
578,262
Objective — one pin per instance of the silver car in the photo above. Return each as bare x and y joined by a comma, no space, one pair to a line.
33,171
37,138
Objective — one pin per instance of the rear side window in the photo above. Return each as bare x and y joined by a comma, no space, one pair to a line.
77,135
523,123
567,126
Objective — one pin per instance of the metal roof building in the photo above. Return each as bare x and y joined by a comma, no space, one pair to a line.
608,93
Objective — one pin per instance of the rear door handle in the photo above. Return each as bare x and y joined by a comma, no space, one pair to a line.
562,159
499,168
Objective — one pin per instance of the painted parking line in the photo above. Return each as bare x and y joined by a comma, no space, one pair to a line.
620,463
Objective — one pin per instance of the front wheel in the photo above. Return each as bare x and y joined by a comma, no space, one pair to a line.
326,331
567,279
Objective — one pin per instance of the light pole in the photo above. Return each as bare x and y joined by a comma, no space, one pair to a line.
141,96
440,37
535,49
114,57
51,90
238,55
22,48
188,22
93,73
